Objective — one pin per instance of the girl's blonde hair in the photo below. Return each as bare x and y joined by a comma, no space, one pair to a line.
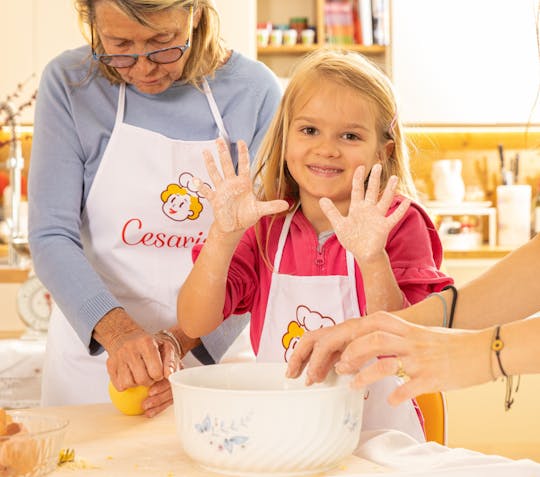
347,69
208,49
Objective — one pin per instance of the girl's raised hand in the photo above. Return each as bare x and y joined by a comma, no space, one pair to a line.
233,201
365,229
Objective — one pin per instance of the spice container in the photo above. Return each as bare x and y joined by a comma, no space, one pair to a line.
299,24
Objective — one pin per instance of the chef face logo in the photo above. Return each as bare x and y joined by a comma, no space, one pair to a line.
306,320
181,201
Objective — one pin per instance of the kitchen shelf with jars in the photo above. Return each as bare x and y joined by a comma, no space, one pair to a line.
289,29
457,171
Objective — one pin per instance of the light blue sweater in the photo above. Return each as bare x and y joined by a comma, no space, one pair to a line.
74,118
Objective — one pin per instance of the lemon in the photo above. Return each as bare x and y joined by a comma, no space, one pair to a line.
129,401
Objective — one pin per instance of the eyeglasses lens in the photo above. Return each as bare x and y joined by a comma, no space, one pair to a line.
169,55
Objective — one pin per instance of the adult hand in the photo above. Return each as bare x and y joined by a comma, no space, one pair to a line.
160,393
320,350
134,357
433,359
234,204
365,229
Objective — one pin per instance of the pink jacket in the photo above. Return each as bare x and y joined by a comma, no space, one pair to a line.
413,247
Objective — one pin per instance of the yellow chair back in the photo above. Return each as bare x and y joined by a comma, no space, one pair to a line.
433,407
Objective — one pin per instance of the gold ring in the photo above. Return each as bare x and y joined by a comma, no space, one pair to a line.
400,373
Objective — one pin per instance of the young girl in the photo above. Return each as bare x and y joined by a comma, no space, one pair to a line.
338,252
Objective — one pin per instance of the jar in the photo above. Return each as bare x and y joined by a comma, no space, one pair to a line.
447,181
298,24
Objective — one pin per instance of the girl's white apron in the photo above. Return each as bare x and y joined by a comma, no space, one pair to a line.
301,303
131,239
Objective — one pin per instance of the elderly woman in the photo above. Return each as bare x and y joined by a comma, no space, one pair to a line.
119,132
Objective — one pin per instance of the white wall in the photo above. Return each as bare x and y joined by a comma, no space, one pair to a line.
465,61
238,24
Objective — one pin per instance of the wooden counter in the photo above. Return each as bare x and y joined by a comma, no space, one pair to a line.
107,443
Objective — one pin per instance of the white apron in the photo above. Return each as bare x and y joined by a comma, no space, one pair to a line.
141,220
301,303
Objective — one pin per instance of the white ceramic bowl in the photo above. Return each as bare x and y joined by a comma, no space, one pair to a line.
249,419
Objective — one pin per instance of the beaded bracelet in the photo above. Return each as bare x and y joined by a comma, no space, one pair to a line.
497,345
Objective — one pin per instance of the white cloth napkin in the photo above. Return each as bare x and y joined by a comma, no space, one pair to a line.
407,457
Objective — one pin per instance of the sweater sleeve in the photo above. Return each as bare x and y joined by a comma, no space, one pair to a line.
56,200
415,252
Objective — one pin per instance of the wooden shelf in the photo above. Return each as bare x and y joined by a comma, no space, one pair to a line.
301,49
483,252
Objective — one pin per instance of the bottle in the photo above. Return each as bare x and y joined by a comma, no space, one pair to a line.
536,208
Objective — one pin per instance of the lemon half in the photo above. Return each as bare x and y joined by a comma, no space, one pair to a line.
129,401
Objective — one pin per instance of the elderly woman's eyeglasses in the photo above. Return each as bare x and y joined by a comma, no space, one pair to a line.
163,56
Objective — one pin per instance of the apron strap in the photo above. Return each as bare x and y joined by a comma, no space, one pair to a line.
349,258
282,238
121,102
215,111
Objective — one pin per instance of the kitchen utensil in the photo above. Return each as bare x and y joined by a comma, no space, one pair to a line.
447,181
248,419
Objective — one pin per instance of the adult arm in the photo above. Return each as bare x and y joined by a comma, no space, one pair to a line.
480,305
508,291
437,359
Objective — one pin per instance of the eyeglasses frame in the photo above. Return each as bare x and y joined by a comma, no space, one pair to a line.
148,54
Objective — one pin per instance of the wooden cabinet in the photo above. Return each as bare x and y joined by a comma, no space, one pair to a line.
281,58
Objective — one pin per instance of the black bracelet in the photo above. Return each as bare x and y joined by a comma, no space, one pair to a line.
497,345
453,307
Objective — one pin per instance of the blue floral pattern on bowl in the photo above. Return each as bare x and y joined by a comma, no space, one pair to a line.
225,436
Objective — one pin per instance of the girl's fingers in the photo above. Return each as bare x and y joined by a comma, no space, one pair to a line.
225,159
271,207
388,194
203,189
357,192
243,158
211,167
331,212
398,214
372,191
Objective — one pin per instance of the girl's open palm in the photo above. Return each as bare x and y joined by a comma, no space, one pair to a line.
233,201
365,229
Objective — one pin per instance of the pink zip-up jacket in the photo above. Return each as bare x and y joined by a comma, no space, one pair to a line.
413,247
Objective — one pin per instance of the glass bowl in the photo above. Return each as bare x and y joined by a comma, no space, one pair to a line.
34,450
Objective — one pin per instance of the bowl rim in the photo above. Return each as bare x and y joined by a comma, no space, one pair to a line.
61,423
316,387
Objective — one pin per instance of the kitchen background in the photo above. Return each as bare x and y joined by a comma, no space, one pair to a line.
467,76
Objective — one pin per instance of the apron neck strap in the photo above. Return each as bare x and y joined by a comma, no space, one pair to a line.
215,111
121,103
209,97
